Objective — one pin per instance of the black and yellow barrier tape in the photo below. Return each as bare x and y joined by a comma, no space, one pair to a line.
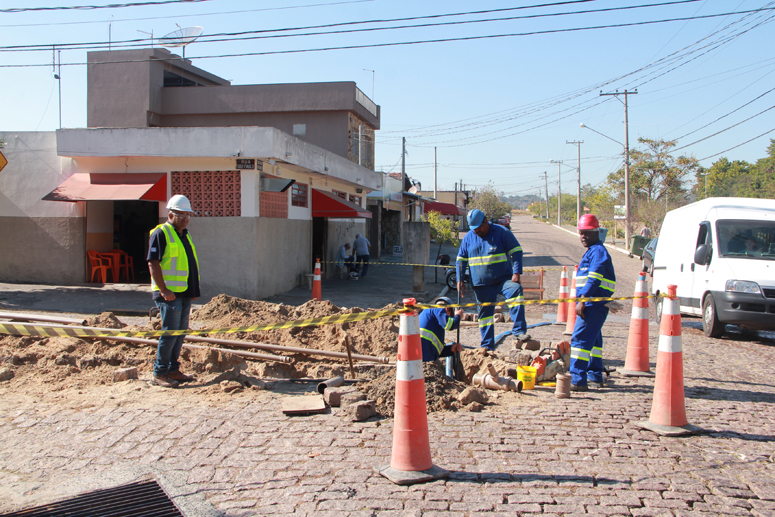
450,265
30,329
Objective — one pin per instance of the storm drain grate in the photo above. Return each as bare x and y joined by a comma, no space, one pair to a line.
144,498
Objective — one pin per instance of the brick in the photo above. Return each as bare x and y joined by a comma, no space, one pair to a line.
333,396
351,398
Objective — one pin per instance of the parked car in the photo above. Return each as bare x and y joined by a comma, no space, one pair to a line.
648,257
720,252
505,222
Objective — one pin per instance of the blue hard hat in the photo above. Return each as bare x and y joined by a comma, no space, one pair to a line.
475,218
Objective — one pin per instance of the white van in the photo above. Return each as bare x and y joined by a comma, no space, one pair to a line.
720,252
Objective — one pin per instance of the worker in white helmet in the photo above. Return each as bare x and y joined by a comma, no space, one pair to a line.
174,270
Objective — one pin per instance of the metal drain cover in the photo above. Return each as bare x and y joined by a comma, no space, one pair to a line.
144,498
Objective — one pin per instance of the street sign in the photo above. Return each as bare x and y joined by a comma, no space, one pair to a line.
619,213
398,251
3,161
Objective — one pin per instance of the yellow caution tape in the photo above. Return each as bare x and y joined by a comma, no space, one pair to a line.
451,265
29,329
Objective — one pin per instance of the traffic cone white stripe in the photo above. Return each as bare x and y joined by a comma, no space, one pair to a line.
409,370
640,313
670,344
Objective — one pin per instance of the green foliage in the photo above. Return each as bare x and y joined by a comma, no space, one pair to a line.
487,199
442,230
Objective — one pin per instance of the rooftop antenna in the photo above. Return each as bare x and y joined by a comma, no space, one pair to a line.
181,37
147,34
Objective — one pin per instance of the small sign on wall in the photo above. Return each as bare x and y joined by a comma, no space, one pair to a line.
246,163
398,251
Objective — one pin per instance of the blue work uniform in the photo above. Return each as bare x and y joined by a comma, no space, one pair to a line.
595,279
493,260
433,324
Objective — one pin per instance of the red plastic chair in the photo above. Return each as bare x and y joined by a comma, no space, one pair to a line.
99,266
126,265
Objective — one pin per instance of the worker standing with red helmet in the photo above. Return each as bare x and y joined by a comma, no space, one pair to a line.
595,279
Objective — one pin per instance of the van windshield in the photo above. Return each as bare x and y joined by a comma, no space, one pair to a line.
746,239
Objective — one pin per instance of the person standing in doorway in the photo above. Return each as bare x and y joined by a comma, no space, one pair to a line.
361,247
175,282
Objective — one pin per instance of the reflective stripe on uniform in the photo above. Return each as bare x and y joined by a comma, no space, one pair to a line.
449,324
433,338
485,322
514,250
597,352
579,354
489,259
606,284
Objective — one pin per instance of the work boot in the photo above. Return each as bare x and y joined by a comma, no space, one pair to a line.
594,384
165,381
523,337
578,387
180,377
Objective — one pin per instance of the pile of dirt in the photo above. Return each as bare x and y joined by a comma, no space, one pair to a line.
374,337
441,392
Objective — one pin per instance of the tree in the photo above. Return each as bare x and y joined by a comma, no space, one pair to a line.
442,230
723,178
488,201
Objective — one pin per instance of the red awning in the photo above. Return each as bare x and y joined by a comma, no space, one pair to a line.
147,186
327,204
443,208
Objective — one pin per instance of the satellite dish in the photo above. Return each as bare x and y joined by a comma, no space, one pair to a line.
181,37
413,190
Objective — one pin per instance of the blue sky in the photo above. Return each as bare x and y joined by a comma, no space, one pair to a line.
497,109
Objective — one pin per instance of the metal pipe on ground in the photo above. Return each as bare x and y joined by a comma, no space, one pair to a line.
16,316
141,341
262,346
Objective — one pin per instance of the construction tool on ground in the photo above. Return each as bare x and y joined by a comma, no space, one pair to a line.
551,361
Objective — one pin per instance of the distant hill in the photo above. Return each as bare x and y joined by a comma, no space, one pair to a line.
520,202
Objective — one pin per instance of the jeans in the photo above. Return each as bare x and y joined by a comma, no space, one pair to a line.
174,316
365,260
489,293
586,346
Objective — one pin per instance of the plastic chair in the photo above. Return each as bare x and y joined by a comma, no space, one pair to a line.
126,265
99,266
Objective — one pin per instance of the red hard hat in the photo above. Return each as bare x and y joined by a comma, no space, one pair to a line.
588,222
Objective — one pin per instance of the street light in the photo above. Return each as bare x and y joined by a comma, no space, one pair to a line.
626,179
559,191
706,184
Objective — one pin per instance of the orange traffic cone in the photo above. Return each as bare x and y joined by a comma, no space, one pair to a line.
636,363
668,412
571,306
317,293
562,307
411,458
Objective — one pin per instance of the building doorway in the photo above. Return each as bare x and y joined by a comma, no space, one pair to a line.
319,241
132,224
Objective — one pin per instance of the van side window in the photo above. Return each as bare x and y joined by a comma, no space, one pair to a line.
704,236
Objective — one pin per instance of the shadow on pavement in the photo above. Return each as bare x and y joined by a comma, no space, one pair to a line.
538,480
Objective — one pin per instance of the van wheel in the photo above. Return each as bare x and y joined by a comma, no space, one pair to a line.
710,323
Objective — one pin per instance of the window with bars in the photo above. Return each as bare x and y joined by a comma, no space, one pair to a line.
299,195
355,199
343,195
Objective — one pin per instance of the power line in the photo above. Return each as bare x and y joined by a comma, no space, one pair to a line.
232,36
417,42
738,145
93,7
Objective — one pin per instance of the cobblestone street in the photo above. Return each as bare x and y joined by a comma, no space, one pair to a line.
578,456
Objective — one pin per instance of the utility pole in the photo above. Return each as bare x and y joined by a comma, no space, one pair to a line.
578,179
546,181
559,191
435,176
626,163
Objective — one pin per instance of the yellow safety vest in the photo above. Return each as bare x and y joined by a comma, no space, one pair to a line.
174,263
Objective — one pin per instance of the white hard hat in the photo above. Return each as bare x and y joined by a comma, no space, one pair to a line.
180,203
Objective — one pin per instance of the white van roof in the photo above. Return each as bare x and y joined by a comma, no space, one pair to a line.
731,208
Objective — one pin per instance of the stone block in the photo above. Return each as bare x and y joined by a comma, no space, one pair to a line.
471,394
532,344
124,374
360,411
351,398
6,374
333,396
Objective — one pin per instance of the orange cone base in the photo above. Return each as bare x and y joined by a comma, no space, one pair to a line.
410,477
631,373
667,430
